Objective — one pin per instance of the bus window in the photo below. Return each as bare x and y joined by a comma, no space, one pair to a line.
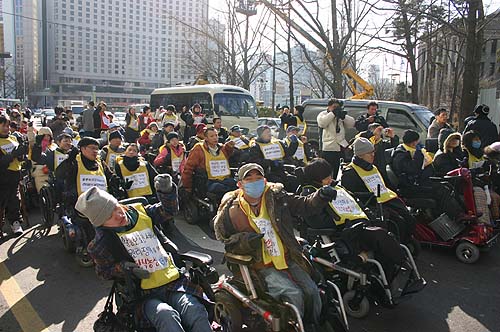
234,104
183,99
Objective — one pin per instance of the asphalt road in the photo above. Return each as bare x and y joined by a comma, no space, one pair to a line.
43,289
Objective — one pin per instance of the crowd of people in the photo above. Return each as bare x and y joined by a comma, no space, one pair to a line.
158,153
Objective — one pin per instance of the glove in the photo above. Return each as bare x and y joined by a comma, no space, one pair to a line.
293,138
328,193
136,270
254,241
73,153
38,140
127,184
163,183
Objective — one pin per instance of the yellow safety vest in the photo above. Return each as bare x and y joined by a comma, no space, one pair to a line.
86,179
473,161
272,150
302,126
372,179
169,118
134,123
111,157
217,166
176,161
238,143
76,140
272,246
143,246
59,157
300,153
345,206
7,145
140,177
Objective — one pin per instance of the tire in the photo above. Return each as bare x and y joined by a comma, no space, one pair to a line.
227,312
47,206
467,252
84,260
68,245
191,213
360,312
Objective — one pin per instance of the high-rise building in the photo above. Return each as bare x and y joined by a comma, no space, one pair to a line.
115,50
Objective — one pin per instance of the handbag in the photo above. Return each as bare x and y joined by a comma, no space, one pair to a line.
107,320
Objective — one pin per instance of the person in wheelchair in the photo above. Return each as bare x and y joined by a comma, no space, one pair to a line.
271,153
413,169
241,147
45,140
172,156
362,176
115,148
450,153
12,152
213,158
198,137
128,241
347,218
137,174
299,158
256,220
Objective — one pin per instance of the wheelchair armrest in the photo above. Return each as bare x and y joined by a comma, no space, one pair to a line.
197,258
452,177
238,259
321,231
134,200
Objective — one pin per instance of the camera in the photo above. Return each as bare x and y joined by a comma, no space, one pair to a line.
340,113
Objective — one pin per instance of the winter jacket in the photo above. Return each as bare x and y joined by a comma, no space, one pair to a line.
446,160
409,170
435,128
380,147
233,227
485,127
196,160
256,155
331,139
362,122
88,119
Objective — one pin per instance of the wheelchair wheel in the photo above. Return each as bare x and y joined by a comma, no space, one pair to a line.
467,252
84,260
227,312
414,246
68,244
359,311
47,205
191,213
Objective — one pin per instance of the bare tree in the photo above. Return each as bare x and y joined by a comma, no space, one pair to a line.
383,88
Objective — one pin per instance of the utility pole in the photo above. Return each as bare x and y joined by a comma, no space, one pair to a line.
273,100
247,8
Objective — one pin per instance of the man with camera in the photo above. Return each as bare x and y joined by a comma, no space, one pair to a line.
372,116
333,122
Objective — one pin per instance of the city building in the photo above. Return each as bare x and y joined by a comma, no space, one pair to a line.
114,50
441,66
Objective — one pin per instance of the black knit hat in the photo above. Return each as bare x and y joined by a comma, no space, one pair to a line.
115,134
87,141
317,170
171,135
410,136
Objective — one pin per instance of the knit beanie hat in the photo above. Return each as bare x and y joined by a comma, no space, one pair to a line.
410,136
45,131
260,129
317,170
115,134
171,135
362,146
482,109
97,205
87,141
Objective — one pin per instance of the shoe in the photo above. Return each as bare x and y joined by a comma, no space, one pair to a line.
16,228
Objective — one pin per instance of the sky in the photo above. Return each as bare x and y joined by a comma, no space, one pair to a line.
391,66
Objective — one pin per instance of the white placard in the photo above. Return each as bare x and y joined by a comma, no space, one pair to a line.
270,238
140,180
372,181
88,181
299,154
238,142
176,164
9,147
219,168
345,204
272,151
145,249
112,160
60,157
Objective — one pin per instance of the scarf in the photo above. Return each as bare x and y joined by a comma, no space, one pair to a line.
362,163
91,165
132,163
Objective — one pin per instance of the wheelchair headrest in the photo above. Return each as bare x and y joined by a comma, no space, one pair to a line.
134,200
388,155
432,145
391,175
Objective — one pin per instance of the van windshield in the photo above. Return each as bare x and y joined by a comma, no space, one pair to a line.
234,104
424,115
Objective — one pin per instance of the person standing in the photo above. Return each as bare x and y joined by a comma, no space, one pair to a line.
221,131
483,125
88,120
101,119
440,121
333,122
132,132
145,118
370,117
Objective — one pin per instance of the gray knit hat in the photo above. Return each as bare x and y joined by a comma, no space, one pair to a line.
97,205
362,146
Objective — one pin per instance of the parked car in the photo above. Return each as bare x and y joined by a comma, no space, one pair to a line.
273,123
399,116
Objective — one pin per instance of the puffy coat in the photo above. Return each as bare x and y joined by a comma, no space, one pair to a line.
331,139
